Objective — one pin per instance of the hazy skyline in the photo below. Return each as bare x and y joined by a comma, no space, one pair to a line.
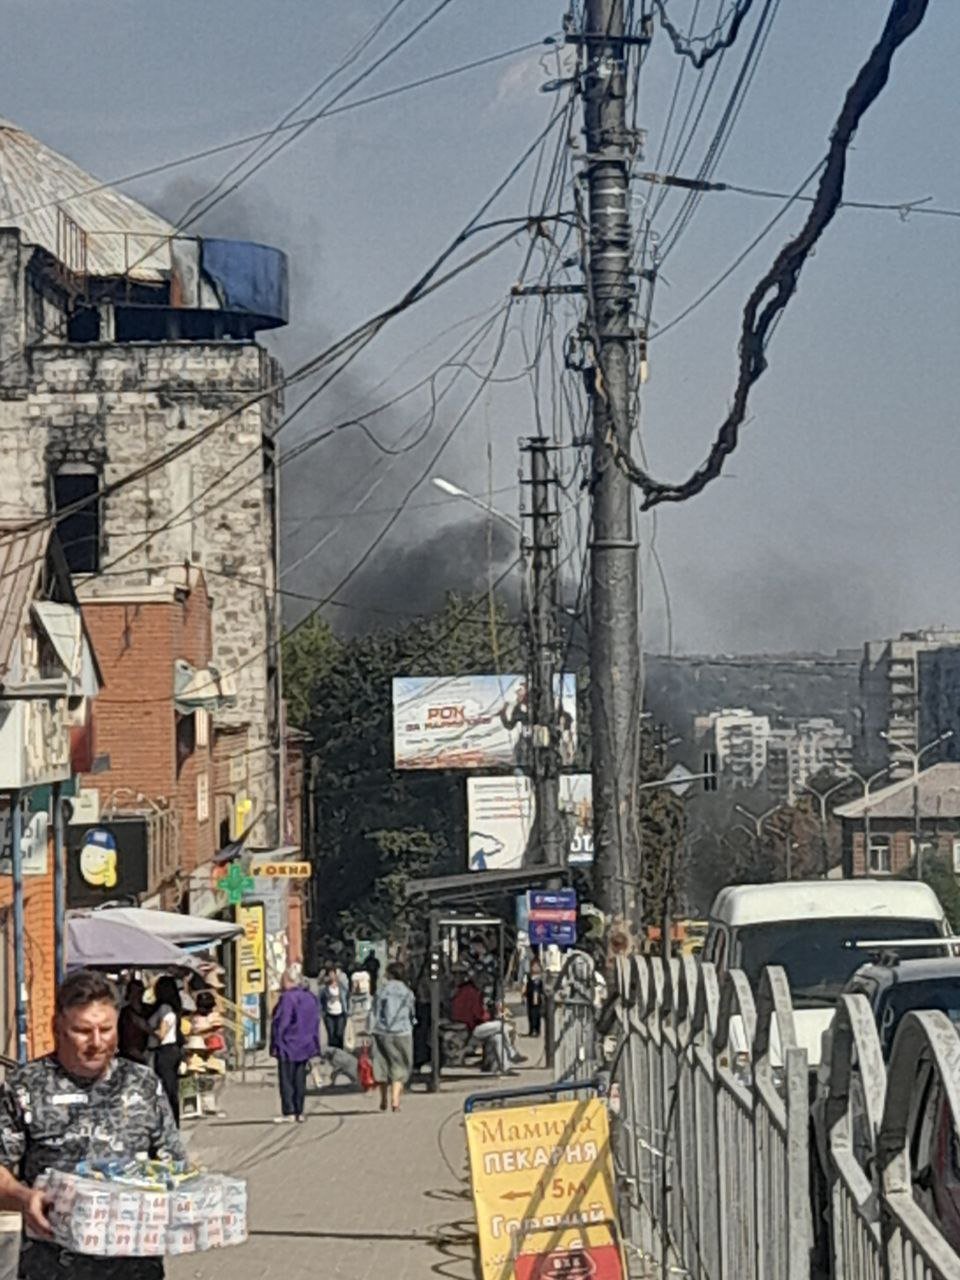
837,519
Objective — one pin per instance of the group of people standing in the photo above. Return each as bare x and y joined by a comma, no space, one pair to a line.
295,1032
152,1035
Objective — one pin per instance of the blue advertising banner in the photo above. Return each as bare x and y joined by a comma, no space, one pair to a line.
543,933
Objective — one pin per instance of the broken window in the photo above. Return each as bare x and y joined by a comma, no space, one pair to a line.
75,488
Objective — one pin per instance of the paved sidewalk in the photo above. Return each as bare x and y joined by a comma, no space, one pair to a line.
352,1193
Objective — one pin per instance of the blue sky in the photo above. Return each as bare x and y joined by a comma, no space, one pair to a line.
839,516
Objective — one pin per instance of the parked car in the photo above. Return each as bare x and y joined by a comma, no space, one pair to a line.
893,986
811,928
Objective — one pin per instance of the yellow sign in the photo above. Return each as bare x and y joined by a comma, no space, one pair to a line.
282,870
251,951
242,808
542,1181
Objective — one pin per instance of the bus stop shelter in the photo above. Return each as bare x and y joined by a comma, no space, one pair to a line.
456,903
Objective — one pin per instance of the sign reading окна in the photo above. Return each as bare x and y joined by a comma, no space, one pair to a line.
543,1192
282,870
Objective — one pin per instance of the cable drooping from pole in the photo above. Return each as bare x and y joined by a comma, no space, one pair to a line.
771,295
683,46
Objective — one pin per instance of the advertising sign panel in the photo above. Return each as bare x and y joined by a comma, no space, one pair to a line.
501,816
473,722
543,1190
33,843
107,860
251,950
553,917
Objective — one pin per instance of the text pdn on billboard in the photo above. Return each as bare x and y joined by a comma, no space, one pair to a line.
474,722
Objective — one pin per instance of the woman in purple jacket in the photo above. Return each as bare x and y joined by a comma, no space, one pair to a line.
294,1040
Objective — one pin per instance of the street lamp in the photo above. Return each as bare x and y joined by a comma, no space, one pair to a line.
866,783
822,798
915,756
454,491
757,821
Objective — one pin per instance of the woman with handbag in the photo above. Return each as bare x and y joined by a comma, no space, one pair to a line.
392,1026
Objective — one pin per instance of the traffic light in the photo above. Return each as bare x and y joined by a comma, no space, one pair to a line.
710,769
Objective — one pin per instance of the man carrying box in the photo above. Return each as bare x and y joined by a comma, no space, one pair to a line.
81,1102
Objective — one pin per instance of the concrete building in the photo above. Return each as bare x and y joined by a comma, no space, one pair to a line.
799,752
938,691
136,400
879,833
738,738
891,695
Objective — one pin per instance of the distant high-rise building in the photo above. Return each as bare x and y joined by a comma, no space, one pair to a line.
799,752
891,695
738,738
938,680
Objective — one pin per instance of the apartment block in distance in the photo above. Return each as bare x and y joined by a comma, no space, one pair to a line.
891,675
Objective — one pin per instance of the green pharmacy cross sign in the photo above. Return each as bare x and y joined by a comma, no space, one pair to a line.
236,883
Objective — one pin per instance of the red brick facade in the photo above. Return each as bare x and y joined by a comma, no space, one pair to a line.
892,841
153,751
39,949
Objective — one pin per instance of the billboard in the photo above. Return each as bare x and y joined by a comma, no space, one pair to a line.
473,722
501,817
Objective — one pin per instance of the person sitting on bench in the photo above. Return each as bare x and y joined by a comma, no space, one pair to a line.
495,1036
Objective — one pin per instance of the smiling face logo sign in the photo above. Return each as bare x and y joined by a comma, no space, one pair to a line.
98,859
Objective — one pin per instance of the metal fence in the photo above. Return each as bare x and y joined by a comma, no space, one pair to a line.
572,1015
710,1100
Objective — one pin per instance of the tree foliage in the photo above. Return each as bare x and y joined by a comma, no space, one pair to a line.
938,873
377,827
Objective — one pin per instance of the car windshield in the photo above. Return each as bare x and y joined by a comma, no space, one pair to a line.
820,955
932,993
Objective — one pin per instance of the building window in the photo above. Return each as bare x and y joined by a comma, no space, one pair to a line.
201,727
75,485
879,861
203,797
927,847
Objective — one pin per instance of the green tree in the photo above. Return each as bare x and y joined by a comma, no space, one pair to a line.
377,827
939,875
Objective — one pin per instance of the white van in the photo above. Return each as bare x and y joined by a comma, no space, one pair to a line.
810,928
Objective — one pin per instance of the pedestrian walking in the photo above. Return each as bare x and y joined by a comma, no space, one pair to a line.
533,995
294,1040
81,1102
334,1000
393,1020
167,1039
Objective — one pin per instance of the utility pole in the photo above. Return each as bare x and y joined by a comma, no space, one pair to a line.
615,693
542,603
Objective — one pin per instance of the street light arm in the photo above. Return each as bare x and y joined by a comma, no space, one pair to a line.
446,486
935,743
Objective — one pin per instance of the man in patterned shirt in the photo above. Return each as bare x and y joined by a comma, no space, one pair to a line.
80,1103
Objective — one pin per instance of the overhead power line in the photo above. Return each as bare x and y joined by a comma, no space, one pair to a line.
207,153
772,294
713,43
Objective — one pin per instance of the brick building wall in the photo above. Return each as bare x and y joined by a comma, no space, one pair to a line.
899,836
137,641
114,407
39,949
